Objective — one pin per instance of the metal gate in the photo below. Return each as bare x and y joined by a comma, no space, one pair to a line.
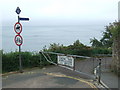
89,66
71,62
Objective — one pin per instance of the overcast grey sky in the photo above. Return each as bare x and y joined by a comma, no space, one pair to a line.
43,12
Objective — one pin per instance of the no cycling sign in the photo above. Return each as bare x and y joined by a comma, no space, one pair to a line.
18,40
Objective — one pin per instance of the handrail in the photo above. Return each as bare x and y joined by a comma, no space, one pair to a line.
65,54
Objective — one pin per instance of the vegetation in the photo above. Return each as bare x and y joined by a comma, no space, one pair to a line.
10,61
77,49
105,42
110,41
114,28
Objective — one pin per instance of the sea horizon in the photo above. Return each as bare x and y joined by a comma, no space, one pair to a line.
36,37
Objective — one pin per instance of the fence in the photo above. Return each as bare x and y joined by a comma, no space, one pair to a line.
81,64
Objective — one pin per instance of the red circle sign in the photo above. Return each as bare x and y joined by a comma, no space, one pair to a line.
18,40
18,28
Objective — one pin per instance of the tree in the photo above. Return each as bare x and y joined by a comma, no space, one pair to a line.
107,39
115,31
78,43
105,42
95,43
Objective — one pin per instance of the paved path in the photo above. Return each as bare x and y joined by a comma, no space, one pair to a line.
50,77
110,79
57,77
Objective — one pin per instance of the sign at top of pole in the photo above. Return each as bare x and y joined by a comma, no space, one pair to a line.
18,10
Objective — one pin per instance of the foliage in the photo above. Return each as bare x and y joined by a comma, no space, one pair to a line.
110,39
95,43
106,40
115,29
101,51
10,61
77,49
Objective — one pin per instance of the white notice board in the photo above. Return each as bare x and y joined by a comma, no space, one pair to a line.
66,60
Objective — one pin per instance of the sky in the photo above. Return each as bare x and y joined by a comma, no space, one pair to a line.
56,12
59,12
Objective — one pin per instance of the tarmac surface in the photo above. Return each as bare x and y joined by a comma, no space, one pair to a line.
50,77
59,77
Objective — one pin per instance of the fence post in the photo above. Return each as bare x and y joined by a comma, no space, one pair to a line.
40,60
74,63
99,77
105,63
93,64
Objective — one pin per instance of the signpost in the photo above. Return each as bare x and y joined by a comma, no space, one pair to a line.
18,38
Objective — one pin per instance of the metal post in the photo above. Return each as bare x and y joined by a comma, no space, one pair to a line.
20,60
74,64
40,60
93,64
105,63
99,78
57,60
18,18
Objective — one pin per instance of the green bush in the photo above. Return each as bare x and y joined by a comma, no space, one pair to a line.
76,49
10,61
101,51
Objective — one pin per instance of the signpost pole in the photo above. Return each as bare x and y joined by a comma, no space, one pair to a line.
20,61
18,38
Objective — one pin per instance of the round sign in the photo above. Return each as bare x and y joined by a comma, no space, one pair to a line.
18,40
18,28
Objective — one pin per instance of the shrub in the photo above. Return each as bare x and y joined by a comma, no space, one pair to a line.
10,61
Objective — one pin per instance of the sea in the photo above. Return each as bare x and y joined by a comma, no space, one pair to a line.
37,37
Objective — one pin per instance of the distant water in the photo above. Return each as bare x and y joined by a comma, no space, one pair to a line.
36,37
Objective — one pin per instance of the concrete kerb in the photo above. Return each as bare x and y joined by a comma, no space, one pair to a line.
9,73
103,84
15,72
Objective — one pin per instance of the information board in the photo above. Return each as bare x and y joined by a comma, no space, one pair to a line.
66,60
